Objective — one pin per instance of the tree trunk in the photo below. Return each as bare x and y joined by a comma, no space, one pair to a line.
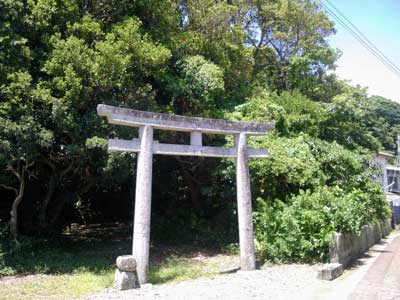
49,195
20,173
55,178
194,190
191,182
66,197
69,197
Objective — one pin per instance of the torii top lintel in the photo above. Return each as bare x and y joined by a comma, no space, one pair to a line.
137,118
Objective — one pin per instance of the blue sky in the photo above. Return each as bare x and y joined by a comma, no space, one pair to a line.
379,20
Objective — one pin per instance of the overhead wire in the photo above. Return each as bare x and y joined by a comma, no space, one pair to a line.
375,51
362,35
361,38
388,64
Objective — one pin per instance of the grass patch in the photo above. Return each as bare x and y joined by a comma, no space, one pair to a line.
60,256
69,286
179,269
75,285
59,268
71,267
82,281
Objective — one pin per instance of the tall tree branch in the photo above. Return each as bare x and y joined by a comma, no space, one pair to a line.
9,188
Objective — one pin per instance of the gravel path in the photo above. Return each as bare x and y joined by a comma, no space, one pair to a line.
276,282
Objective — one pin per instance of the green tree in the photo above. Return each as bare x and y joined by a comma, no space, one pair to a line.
290,46
353,122
22,138
254,61
389,111
95,67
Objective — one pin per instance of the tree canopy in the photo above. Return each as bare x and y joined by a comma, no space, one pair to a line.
267,60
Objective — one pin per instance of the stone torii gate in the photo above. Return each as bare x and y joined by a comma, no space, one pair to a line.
146,147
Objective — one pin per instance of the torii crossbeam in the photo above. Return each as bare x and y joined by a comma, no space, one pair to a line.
146,147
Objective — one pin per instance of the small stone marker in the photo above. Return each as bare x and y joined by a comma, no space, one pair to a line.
125,276
330,271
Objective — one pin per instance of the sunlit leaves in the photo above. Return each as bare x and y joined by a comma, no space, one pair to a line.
196,86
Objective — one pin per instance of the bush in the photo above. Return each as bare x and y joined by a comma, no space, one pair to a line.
291,167
300,230
318,178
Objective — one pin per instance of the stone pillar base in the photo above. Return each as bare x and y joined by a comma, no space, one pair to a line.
125,276
125,280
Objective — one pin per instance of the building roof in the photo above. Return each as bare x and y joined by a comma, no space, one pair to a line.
387,154
392,168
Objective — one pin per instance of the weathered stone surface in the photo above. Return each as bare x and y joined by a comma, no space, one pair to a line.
141,227
386,227
246,239
371,235
196,138
125,280
364,239
377,232
126,263
136,118
330,271
345,248
182,150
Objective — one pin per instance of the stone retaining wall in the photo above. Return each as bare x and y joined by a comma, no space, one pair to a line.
344,248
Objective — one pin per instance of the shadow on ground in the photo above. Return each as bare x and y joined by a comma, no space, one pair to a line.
94,248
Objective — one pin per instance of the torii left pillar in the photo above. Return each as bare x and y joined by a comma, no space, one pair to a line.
141,227
245,219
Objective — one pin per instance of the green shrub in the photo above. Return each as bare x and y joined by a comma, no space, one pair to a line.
318,178
300,229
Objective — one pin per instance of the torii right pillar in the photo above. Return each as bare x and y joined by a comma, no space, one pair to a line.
245,217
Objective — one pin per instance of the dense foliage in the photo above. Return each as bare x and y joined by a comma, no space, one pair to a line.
267,60
311,186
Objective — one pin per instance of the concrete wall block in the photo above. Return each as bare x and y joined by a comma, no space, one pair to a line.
356,251
334,247
344,248
330,271
364,239
389,227
377,232
370,237
383,228
386,227
347,249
